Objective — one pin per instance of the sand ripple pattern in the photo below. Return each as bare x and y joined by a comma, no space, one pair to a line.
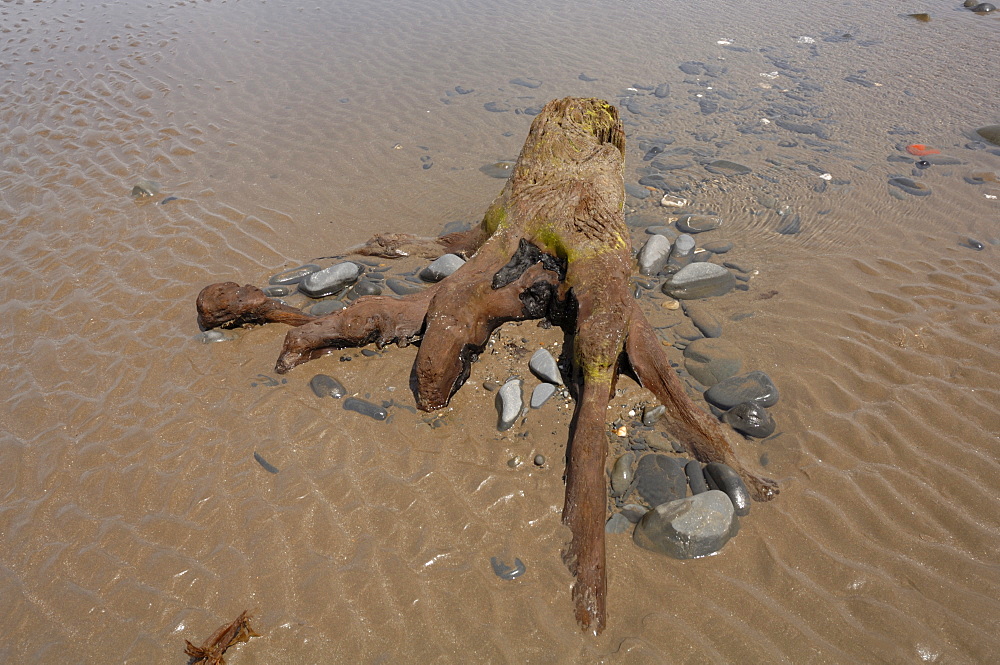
133,513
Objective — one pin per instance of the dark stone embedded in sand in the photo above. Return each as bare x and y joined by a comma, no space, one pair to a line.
327,386
662,91
293,275
617,523
941,160
441,267
365,408
505,572
403,287
698,223
329,280
496,107
364,288
707,106
699,280
711,360
636,191
688,528
145,188
275,291
696,477
750,419
692,67
651,414
991,133
703,318
727,168
622,475
755,387
509,404
910,186
653,255
789,224
723,477
498,169
717,246
660,478
527,82
324,307
972,243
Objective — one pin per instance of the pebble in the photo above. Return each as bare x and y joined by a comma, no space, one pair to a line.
509,404
539,460
633,512
441,267
711,360
703,319
498,169
496,107
727,168
662,91
365,408
652,414
984,8
696,477
653,255
699,280
910,186
688,528
213,336
682,254
329,280
754,387
402,287
544,366
622,475
541,394
790,224
275,291
325,307
617,523
671,201
270,468
750,419
505,572
660,478
527,82
327,386
698,223
669,232
293,275
637,191
364,287
972,243
717,246
145,188
723,477
991,133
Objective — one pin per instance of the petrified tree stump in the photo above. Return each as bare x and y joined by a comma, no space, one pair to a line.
554,244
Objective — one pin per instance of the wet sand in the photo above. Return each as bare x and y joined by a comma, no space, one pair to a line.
133,512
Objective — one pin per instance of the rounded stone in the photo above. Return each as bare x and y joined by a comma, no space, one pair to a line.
755,387
539,460
723,477
699,280
498,169
660,478
698,223
329,280
651,414
324,307
910,186
509,404
403,287
327,386
617,523
653,255
441,267
984,8
293,275
688,528
622,474
703,319
717,246
727,168
750,419
696,477
991,133
541,394
544,366
365,408
711,360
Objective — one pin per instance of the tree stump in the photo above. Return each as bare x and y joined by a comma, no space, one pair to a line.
554,245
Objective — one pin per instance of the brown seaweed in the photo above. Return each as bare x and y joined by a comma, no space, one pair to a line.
211,652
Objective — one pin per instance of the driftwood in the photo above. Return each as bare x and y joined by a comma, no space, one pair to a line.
553,245
211,652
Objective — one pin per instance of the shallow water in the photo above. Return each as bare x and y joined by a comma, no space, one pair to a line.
134,513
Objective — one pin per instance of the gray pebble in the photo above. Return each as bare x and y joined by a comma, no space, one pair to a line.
503,571
754,387
544,366
688,528
509,404
329,280
712,360
723,477
699,280
213,336
727,168
541,394
403,287
617,523
750,419
276,291
717,246
441,267
622,475
660,478
365,408
682,253
651,414
633,512
539,460
696,477
325,307
698,223
293,275
327,386
703,318
653,255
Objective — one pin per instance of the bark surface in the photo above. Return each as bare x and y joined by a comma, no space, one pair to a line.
554,245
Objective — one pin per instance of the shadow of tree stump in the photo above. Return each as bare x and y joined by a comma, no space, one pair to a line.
554,245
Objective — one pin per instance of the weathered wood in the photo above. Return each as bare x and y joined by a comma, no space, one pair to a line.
553,244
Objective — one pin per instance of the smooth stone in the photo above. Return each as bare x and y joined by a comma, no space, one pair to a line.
213,336
324,307
991,133
703,319
617,523
636,191
688,528
755,387
723,477
984,8
660,478
699,280
526,82
711,360
509,404
544,366
329,280
717,246
652,414
403,287
505,572
727,168
365,408
790,224
750,419
293,275
972,243
364,288
662,91
441,267
682,253
671,201
941,160
498,169
633,512
910,186
622,475
497,107
145,188
541,394
327,386
698,223
276,291
653,255
696,477
669,232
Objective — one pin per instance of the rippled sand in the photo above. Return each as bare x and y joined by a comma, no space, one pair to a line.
133,513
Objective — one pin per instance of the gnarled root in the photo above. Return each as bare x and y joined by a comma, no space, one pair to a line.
230,305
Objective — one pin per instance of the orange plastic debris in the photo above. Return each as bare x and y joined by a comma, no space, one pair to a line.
919,149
